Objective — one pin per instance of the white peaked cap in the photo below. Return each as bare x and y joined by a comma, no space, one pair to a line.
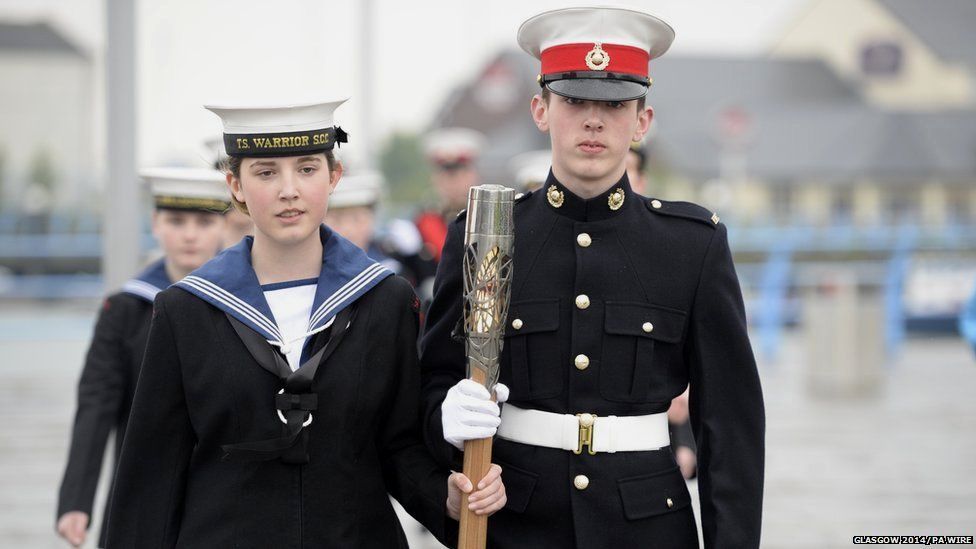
596,24
595,53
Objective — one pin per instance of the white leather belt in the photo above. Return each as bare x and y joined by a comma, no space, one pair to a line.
573,432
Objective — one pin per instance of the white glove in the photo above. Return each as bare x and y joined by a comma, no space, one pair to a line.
468,412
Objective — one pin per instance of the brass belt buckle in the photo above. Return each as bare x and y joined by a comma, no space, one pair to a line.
586,422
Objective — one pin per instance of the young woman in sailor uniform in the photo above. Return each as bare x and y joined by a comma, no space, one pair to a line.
188,224
279,399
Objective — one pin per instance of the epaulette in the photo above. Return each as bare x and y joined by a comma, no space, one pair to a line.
521,197
686,210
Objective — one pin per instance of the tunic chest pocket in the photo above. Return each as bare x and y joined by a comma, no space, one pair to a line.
640,343
530,361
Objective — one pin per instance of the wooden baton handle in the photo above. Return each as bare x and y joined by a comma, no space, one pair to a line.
473,531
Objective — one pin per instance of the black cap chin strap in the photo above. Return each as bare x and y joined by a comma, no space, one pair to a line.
295,401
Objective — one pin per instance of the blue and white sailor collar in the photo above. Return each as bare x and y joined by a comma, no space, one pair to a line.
229,283
152,280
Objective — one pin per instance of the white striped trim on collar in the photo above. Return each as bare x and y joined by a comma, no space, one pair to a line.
233,302
141,289
348,289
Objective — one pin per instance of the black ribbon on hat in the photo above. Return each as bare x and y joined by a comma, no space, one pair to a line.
263,145
340,135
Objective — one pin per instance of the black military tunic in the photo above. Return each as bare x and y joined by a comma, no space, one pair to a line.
105,389
621,301
201,391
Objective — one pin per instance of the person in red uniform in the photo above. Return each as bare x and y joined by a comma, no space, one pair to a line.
453,153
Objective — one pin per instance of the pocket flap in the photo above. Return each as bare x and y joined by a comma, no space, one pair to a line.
644,320
649,495
537,315
519,485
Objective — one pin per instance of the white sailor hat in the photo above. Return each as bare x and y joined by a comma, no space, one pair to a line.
279,130
597,53
188,189
449,147
361,189
531,169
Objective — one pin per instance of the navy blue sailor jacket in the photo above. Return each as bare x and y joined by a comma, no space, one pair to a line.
588,277
206,397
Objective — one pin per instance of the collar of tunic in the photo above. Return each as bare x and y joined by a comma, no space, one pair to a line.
611,202
152,280
229,283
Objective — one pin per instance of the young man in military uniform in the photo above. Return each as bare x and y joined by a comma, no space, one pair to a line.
618,302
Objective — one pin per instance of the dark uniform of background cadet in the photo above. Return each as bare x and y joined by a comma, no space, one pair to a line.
188,224
618,302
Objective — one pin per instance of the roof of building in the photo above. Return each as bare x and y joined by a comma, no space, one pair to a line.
35,37
830,143
798,121
697,80
945,25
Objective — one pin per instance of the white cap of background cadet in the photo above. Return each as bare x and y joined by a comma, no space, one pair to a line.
188,188
531,169
450,146
357,189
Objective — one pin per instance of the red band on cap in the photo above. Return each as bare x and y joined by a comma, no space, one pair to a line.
572,57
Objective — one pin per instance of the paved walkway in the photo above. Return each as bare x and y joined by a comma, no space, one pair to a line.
900,462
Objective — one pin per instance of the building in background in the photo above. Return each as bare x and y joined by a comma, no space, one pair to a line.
892,50
47,142
852,142
848,130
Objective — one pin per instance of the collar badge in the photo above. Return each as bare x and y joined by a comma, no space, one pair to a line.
616,199
554,196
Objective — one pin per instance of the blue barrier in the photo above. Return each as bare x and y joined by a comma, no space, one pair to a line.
774,287
894,286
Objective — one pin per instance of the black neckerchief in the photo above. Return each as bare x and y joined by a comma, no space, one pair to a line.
295,400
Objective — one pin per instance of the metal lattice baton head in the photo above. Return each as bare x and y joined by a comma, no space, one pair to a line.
488,242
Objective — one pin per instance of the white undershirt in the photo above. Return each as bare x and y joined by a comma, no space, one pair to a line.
292,307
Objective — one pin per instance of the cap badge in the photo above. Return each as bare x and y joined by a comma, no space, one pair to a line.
597,59
554,196
616,199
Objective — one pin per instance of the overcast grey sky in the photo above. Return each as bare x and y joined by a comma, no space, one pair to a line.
195,51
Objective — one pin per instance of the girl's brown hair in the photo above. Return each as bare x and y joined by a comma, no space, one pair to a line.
233,166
